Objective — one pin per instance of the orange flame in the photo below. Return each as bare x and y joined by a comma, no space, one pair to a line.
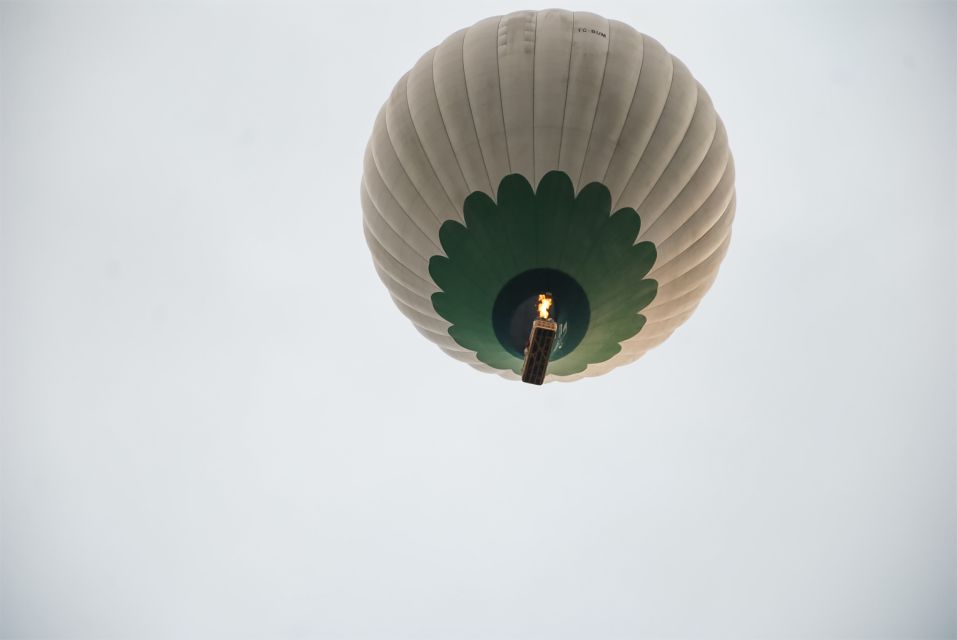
544,303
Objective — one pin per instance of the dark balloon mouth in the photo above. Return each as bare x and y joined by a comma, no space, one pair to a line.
516,306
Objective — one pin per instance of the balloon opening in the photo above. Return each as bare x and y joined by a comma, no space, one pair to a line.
523,300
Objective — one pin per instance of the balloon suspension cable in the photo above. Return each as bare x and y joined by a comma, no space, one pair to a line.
540,342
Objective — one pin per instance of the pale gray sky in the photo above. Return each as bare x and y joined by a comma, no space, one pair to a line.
198,439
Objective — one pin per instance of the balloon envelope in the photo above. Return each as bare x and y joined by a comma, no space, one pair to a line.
555,152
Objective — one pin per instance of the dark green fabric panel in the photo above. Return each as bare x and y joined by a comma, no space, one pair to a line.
554,200
528,230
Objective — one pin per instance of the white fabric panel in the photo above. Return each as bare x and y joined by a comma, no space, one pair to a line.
620,83
686,161
404,236
453,98
468,358
402,283
692,278
585,78
654,83
409,299
695,192
695,240
681,304
446,343
668,133
553,46
426,322
405,167
480,57
441,177
516,59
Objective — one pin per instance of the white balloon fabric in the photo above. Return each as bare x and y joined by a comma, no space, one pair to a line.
548,151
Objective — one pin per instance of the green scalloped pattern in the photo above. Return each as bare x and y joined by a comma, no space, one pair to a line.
549,227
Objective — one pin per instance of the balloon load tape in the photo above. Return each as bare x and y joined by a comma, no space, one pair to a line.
539,349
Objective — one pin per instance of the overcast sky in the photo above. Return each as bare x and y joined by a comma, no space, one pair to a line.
216,424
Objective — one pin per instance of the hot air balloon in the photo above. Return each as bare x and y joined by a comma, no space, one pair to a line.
547,195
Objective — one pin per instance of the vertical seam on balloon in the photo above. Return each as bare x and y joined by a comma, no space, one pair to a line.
468,99
661,330
694,112
374,242
501,100
724,194
445,348
685,311
727,209
601,85
568,80
534,175
694,173
658,330
634,96
693,297
405,172
375,207
647,343
710,273
425,318
664,104
425,152
406,213
451,146
393,284
400,300
400,208
717,220
660,326
447,340
726,170
378,241
387,273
